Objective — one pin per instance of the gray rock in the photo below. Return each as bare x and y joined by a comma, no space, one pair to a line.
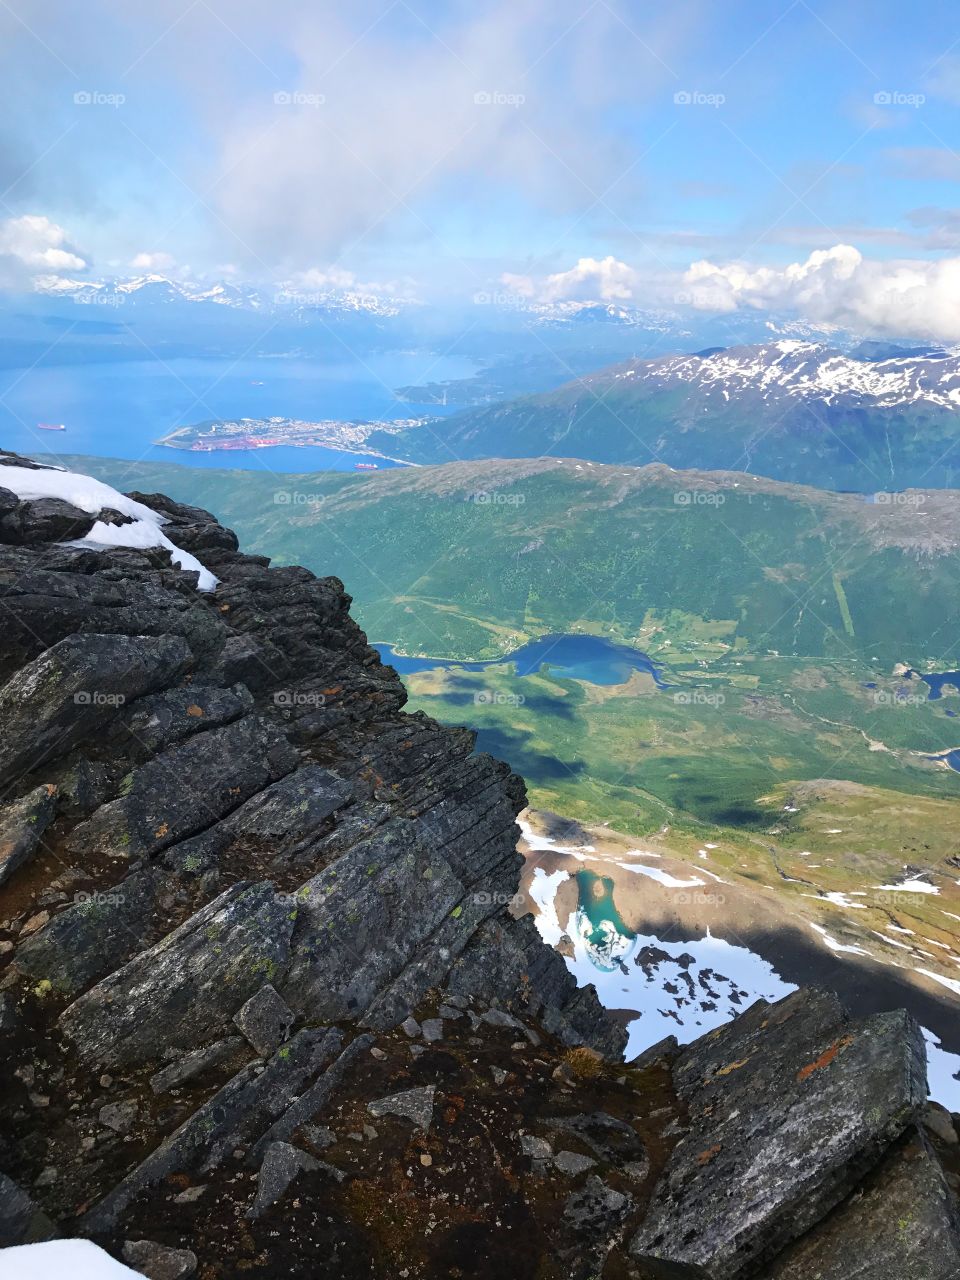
432,1029
536,1148
940,1122
787,1106
186,789
666,1049
22,825
265,1020
415,1105
160,720
21,1220
311,1101
193,1064
572,1163
610,1139
74,688
282,1163
158,1261
236,1114
318,1135
594,1219
903,1222
411,1026
42,520
118,1116
188,986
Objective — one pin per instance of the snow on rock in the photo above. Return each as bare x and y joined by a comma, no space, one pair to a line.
76,1259
808,370
661,877
93,496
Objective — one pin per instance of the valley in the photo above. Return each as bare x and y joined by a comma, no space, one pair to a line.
747,682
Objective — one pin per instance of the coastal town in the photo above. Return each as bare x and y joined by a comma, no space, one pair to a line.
264,433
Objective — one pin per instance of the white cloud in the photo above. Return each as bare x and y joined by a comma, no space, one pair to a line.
153,262
903,297
35,243
592,279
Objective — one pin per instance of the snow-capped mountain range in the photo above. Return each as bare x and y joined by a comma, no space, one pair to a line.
804,370
159,290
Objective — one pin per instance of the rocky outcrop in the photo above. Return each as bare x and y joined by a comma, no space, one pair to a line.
265,1010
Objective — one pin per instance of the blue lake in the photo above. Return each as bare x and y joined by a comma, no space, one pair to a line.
587,658
936,681
117,410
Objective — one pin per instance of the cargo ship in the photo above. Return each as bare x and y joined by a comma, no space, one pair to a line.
366,466
50,426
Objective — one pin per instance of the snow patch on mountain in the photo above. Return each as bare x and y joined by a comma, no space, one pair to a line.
792,367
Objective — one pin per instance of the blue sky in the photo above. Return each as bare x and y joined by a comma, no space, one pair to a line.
436,148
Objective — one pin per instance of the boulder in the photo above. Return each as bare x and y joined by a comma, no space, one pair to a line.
282,1163
415,1105
265,1020
158,1261
789,1105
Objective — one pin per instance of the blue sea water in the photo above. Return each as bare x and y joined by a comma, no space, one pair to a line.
589,658
117,410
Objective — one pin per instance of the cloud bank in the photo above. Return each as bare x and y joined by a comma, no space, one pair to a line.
906,297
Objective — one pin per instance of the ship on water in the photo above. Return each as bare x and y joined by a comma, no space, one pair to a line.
51,426
366,466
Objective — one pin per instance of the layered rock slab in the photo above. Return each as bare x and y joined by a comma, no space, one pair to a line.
904,1222
790,1105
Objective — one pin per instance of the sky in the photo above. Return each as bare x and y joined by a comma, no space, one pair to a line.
729,154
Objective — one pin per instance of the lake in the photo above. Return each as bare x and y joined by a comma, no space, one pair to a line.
589,658
117,410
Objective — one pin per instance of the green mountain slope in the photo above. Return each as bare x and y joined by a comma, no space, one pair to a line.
791,411
470,559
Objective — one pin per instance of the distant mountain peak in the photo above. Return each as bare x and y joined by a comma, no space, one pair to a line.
792,368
